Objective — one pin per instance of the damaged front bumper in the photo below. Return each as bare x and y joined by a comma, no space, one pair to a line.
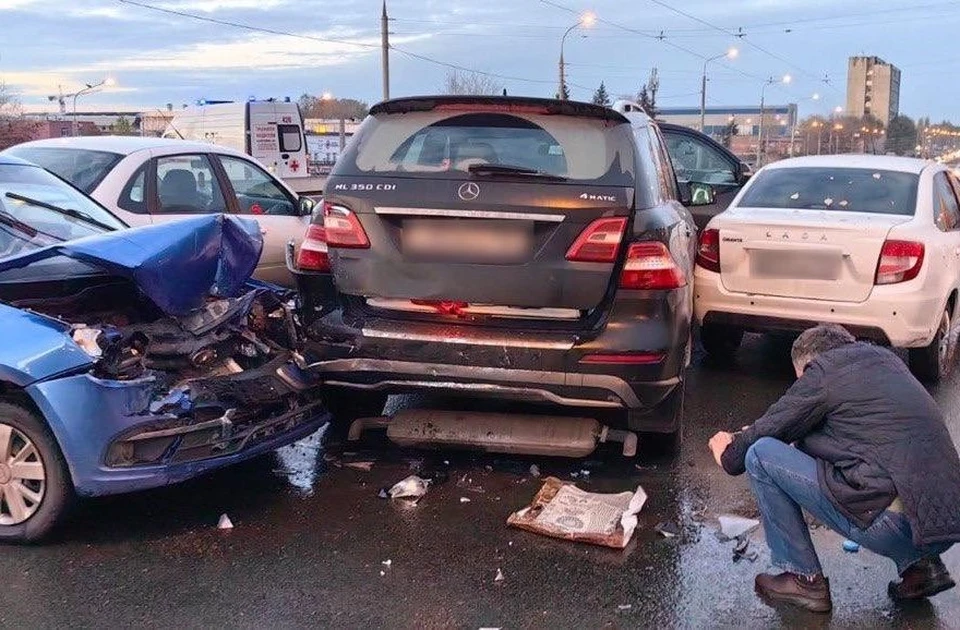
123,436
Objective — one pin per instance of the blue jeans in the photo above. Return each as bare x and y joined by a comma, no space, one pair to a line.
784,480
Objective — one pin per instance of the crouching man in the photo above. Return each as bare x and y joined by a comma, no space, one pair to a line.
859,444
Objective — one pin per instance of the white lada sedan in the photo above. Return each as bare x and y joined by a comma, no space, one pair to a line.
870,242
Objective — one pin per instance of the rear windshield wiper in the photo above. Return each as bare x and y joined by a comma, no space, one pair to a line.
67,212
504,169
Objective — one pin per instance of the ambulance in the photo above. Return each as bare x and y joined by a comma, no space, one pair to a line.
270,131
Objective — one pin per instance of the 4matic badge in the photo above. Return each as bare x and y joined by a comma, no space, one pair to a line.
590,197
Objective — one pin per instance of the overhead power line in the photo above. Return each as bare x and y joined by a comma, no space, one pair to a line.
330,40
748,28
739,34
635,31
247,27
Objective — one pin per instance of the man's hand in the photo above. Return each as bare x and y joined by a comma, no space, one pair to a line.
719,443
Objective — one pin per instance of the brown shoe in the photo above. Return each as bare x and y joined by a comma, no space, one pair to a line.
924,579
811,594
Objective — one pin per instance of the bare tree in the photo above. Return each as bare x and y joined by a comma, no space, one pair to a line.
9,104
472,83
330,108
14,129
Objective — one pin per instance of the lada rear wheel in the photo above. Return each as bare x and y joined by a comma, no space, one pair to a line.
935,362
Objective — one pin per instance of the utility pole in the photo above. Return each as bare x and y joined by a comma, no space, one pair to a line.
760,133
385,51
703,97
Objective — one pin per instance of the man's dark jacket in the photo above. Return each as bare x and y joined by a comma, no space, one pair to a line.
876,434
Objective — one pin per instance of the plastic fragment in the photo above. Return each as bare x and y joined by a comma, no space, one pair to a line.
387,563
624,606
740,551
736,526
499,577
364,466
850,547
667,529
413,487
224,522
464,500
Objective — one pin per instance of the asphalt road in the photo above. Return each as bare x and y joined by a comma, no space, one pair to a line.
311,537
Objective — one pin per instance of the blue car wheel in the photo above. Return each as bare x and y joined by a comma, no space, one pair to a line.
35,488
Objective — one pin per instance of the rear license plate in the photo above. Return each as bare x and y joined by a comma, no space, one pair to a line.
467,240
795,265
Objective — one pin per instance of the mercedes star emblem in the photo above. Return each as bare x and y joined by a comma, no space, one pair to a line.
469,191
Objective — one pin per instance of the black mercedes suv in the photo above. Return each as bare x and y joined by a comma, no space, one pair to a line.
519,248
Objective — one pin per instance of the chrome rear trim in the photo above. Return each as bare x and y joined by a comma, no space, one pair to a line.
470,214
499,341
490,310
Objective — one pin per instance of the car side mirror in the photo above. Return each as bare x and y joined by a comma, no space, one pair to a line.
745,174
307,205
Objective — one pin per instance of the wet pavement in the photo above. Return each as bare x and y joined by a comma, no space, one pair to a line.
311,539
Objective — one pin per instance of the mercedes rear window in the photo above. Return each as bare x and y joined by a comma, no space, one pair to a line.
441,144
837,189
83,168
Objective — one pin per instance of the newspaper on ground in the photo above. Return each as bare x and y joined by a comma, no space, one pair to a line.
561,510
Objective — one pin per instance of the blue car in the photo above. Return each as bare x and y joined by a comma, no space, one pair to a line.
132,358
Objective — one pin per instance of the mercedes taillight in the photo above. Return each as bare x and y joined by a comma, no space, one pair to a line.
650,266
599,242
342,228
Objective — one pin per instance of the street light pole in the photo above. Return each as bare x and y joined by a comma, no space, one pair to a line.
786,79
85,90
587,19
385,52
730,54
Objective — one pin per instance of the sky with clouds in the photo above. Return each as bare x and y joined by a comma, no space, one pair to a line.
159,57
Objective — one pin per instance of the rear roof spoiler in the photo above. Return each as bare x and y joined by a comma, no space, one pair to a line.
506,104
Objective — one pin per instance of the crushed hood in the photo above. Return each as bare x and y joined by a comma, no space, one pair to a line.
177,264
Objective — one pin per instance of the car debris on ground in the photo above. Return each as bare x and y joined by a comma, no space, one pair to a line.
561,510
667,529
733,527
364,466
742,550
413,487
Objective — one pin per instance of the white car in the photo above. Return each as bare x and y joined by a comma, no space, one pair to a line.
870,242
151,180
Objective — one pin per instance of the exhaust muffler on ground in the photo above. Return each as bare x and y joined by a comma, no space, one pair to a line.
555,436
